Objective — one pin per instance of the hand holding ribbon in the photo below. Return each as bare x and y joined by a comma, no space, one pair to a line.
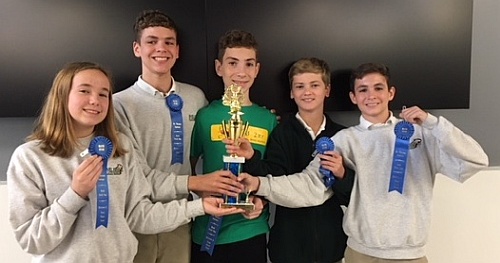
86,175
323,145
414,115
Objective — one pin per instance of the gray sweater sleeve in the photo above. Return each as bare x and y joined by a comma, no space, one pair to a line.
38,226
296,190
455,154
146,217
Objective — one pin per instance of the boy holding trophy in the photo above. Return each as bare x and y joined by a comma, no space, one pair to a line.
156,113
231,238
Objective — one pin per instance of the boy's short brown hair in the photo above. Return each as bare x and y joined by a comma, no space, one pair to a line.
367,68
152,18
236,38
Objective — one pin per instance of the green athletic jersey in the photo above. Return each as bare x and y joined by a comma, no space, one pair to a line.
206,143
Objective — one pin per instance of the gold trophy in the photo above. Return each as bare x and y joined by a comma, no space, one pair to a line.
233,129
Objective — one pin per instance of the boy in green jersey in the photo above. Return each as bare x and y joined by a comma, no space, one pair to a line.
239,239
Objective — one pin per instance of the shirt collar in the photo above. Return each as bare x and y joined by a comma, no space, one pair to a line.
365,124
309,129
151,90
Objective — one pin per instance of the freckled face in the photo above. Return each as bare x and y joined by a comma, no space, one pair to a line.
88,100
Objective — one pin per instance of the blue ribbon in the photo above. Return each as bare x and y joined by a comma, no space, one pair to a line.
323,145
211,236
403,130
174,104
103,147
215,223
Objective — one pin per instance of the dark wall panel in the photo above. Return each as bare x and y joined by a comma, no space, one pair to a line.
426,43
39,37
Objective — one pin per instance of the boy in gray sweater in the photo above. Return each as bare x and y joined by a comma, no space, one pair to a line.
157,113
384,225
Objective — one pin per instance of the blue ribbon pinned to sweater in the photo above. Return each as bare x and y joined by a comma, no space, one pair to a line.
174,103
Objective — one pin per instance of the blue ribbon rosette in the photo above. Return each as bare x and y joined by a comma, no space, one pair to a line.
323,145
403,130
103,147
174,103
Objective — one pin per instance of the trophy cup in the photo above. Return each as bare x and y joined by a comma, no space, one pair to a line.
233,129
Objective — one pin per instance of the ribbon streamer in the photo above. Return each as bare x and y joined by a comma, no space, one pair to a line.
211,236
103,147
403,130
174,103
215,223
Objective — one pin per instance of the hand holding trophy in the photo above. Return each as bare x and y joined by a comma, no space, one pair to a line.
233,129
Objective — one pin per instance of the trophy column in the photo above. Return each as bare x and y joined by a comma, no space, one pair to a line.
233,129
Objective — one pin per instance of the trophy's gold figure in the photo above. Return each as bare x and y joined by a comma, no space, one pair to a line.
235,128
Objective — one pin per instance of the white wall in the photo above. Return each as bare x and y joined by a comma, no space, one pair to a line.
466,220
465,223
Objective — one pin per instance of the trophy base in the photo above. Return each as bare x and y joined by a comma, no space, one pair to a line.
244,206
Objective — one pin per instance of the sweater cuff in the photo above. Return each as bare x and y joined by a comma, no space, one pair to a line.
181,185
264,187
71,202
195,208
430,122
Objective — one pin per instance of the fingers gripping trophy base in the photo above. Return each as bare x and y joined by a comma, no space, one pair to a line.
233,163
